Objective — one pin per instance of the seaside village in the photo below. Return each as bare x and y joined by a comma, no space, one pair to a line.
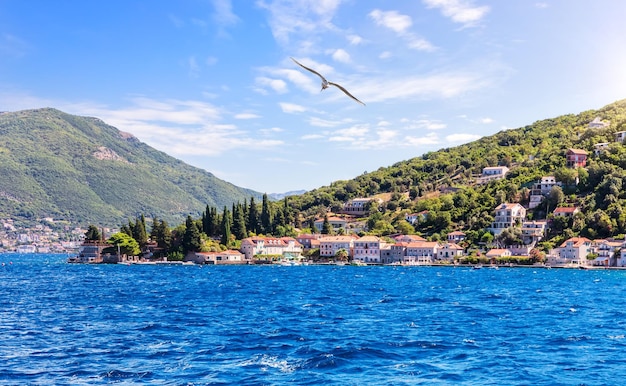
345,247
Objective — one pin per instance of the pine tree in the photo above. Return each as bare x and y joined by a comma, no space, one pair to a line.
327,229
239,223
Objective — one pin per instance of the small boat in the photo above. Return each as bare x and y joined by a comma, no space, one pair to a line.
477,266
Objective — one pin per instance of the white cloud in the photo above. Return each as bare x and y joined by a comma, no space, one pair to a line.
385,55
400,24
459,11
318,122
271,130
428,139
247,116
278,85
303,18
427,124
224,13
392,20
486,120
542,5
462,138
342,56
291,107
355,39
311,136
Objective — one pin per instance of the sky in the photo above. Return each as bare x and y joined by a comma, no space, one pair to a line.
211,82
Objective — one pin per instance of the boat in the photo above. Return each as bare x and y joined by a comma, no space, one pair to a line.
477,266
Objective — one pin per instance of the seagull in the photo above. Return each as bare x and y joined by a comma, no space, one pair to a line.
326,83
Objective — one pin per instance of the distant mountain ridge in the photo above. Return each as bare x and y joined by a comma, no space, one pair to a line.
54,164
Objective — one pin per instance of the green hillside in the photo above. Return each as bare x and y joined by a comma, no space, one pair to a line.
444,182
54,164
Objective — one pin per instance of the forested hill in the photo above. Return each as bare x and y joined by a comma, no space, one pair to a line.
530,152
58,165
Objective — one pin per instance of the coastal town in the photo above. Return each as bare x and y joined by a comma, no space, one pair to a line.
342,238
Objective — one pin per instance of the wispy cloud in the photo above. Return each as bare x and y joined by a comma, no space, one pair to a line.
278,85
459,11
224,15
291,107
426,140
302,18
401,24
247,116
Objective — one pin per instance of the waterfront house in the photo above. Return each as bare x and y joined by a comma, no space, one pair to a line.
607,251
421,252
309,241
448,251
228,257
494,253
271,248
621,256
330,245
576,158
573,251
367,249
90,251
506,216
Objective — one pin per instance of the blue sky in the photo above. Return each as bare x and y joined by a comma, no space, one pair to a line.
212,83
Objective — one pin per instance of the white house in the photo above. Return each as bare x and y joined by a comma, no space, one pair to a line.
359,206
217,258
506,216
620,136
449,251
573,251
286,247
491,173
335,222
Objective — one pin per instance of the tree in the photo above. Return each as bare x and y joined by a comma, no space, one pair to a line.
127,244
92,234
239,223
161,234
225,240
266,216
139,231
327,229
253,217
191,238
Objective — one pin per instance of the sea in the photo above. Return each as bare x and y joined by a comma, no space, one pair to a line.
73,324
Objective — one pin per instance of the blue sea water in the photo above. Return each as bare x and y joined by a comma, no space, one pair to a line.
68,324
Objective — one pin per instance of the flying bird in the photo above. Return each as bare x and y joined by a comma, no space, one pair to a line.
326,83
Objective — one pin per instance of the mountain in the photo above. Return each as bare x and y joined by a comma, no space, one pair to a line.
280,196
63,166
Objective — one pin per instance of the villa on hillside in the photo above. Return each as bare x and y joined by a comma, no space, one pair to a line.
620,136
607,252
492,173
541,189
359,206
506,216
565,211
600,147
597,123
335,222
455,237
416,217
533,231
576,158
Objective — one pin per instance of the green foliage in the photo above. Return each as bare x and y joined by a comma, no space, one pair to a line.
127,244
92,233
80,169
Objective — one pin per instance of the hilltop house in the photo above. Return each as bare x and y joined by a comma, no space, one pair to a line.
576,158
597,123
492,173
506,216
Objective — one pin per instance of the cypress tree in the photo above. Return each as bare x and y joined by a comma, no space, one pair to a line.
225,228
266,216
191,238
253,217
239,223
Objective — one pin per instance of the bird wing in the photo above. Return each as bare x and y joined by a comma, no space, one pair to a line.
313,71
346,92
